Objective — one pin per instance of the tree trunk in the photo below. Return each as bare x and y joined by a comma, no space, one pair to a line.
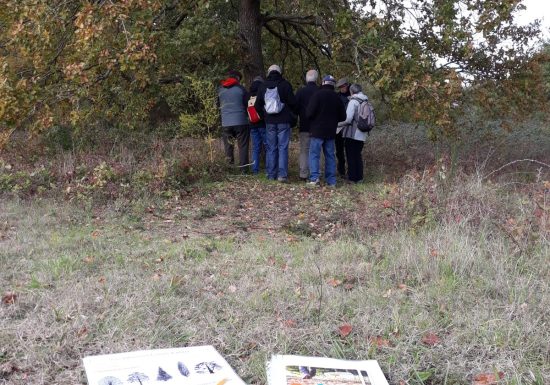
250,30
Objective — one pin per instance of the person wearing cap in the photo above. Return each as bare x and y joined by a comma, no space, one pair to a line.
324,111
342,86
232,100
354,139
277,124
303,97
257,130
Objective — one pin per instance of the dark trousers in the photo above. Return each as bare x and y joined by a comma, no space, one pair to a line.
340,155
241,135
354,148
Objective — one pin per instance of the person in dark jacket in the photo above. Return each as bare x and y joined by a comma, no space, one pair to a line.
342,86
257,130
233,99
277,123
303,97
324,111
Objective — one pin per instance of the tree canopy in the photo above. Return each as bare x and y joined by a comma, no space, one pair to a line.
86,63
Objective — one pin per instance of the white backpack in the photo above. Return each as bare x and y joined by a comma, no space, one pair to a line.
273,104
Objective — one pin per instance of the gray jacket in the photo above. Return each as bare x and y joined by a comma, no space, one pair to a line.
233,102
349,126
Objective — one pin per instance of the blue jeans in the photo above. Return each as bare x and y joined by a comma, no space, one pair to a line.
278,137
259,141
315,146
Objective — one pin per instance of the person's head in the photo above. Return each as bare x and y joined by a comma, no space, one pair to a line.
258,78
312,76
274,68
328,80
234,74
342,85
355,88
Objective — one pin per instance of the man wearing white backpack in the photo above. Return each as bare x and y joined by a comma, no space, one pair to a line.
276,103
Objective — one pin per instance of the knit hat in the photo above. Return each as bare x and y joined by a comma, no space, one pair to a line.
234,74
258,79
329,79
342,82
274,67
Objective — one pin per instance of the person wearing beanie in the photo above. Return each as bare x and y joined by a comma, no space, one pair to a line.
257,130
278,119
303,96
232,100
324,111
354,139
342,86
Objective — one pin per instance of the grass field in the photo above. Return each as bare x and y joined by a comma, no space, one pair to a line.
441,277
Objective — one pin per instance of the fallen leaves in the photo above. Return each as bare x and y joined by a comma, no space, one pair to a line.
348,282
487,378
431,339
345,330
379,342
7,369
9,298
82,332
334,282
289,323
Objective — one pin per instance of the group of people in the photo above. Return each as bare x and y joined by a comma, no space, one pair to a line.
267,112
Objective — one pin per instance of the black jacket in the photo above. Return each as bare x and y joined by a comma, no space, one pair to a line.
324,111
303,96
345,98
286,94
254,92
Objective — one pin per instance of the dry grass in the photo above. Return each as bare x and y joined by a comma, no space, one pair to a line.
99,279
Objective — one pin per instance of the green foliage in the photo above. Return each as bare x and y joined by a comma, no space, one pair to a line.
106,65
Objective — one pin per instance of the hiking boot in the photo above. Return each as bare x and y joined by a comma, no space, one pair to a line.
282,180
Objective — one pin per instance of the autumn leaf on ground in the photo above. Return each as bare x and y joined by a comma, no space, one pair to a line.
487,378
403,287
345,330
430,339
334,282
9,298
348,286
289,323
386,204
82,332
8,369
96,233
379,342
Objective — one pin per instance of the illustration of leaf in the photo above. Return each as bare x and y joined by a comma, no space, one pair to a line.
138,377
207,367
163,376
109,380
183,369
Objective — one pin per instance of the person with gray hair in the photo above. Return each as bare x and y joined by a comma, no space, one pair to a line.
276,104
303,96
324,111
354,139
